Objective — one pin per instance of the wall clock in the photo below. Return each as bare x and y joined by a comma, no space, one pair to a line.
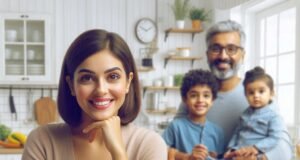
146,30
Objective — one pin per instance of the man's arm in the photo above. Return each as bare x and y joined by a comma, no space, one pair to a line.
283,149
276,130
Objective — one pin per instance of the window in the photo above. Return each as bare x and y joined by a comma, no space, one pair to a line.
276,52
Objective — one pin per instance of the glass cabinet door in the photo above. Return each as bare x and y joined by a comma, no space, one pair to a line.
14,47
35,48
25,48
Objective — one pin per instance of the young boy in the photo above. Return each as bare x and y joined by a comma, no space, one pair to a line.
193,136
260,127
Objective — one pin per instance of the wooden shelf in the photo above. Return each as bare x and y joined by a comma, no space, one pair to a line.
159,88
175,30
162,112
190,58
11,150
145,69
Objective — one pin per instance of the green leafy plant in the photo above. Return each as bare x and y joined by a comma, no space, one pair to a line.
200,14
180,9
178,79
4,131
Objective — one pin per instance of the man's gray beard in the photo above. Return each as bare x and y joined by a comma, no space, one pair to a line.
223,75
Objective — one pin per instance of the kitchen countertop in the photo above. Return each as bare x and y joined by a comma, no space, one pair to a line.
11,150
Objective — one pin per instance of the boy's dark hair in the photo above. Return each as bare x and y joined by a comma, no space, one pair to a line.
199,77
258,73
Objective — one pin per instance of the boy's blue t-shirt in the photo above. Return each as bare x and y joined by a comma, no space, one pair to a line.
183,134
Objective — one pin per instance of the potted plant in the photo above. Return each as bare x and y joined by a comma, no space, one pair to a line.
180,9
199,15
178,78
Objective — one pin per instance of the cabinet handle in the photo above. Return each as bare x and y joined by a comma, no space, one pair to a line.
25,78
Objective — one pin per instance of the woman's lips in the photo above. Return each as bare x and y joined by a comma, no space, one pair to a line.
102,104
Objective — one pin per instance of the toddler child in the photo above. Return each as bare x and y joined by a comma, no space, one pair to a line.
260,127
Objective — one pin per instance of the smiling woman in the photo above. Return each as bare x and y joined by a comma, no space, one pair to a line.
98,98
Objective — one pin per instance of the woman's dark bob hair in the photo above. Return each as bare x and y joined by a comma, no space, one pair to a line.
85,45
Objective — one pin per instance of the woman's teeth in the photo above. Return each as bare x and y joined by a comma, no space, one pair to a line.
101,103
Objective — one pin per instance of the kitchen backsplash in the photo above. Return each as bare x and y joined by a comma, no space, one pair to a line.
24,102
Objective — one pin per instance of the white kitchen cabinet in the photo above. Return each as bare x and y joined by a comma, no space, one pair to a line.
25,49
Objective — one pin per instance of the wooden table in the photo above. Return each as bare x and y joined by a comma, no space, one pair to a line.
11,150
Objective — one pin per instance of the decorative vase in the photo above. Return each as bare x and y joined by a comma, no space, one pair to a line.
196,24
180,24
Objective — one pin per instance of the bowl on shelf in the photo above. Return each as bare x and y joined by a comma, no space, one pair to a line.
11,35
183,51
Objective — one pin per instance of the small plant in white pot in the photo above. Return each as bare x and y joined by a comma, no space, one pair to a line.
180,9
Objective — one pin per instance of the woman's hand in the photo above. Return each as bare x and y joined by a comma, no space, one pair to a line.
111,134
199,152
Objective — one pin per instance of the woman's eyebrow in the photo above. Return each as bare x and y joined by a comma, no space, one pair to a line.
86,70
112,69
107,71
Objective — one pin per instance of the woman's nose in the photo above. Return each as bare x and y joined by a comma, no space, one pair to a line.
101,87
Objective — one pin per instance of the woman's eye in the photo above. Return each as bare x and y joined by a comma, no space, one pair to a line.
86,78
114,76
